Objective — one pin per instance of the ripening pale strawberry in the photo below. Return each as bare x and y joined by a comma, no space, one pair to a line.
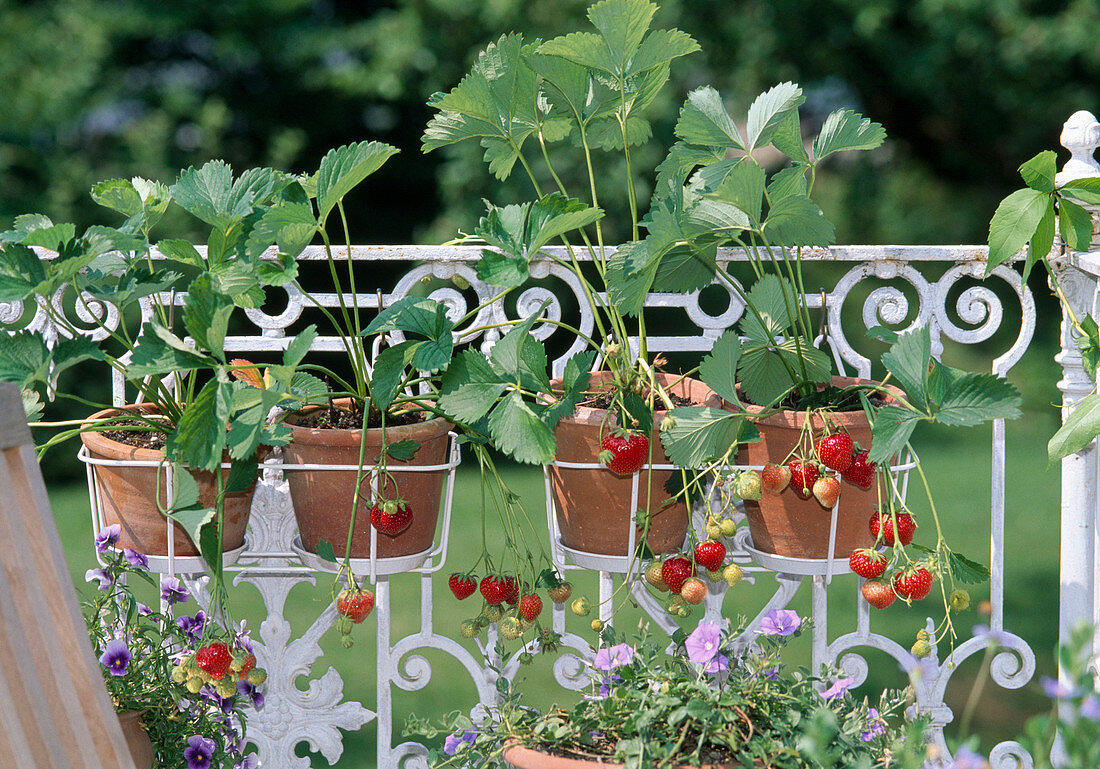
748,485
774,478
653,576
827,491
732,574
694,590
878,593
835,451
560,592
803,475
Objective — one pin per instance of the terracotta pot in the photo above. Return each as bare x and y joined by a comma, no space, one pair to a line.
323,498
789,526
127,496
137,739
593,505
526,758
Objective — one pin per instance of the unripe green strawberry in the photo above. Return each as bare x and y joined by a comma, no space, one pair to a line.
469,629
714,529
597,625
921,649
225,687
493,613
256,676
732,574
194,684
923,635
179,675
482,621
560,592
714,576
728,527
959,600
526,658
581,607
653,576
747,485
510,628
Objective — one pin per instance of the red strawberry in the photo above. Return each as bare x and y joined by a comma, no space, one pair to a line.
827,491
835,451
355,604
530,606
675,570
867,563
560,592
884,522
624,453
803,475
494,589
878,593
391,517
694,590
247,665
511,584
774,478
913,584
462,585
710,554
861,472
214,659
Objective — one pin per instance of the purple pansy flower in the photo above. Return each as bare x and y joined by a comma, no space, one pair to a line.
242,638
772,674
143,609
838,688
251,761
107,536
192,626
780,622
876,726
605,687
116,656
104,577
136,559
965,758
456,742
199,751
173,590
1055,689
614,656
702,645
252,692
1090,708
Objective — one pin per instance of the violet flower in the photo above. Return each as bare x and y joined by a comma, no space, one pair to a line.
1090,708
106,537
252,692
116,657
1055,689
719,663
456,742
173,590
965,758
614,656
782,622
143,609
136,559
242,638
192,626
702,645
199,751
104,577
998,637
876,726
838,688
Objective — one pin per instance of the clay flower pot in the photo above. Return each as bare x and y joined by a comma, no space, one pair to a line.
322,499
137,739
526,758
127,495
593,505
787,525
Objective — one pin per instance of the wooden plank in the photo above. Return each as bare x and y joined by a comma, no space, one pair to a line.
13,422
65,714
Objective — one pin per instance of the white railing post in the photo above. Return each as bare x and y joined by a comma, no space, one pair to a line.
1079,546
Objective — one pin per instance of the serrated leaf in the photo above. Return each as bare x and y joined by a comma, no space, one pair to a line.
118,195
422,317
1038,172
21,272
520,356
194,519
796,220
207,194
764,377
1013,224
892,430
1078,431
787,182
768,110
24,358
700,433
1042,241
677,165
575,379
966,571
325,551
767,297
659,48
787,137
158,352
975,398
245,429
1075,225
469,387
389,373
554,215
519,433
704,120
883,334
909,359
638,415
206,316
845,130
290,226
1086,189
744,188
200,436
719,368
182,251
242,474
628,290
344,168
1089,345
686,268
32,405
504,270
403,450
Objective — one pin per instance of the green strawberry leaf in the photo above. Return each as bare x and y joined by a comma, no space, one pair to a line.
200,436
847,130
718,369
971,399
519,433
768,111
575,380
701,433
206,316
343,169
245,430
704,120
767,296
628,288
965,570
21,272
403,450
118,195
470,387
909,359
892,430
798,221
242,474
325,551
743,186
209,195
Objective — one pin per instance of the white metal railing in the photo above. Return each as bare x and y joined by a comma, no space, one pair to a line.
274,565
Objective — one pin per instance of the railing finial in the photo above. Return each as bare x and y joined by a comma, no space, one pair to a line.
1081,136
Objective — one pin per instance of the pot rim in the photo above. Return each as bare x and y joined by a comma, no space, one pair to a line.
96,441
515,749
795,419
432,427
590,415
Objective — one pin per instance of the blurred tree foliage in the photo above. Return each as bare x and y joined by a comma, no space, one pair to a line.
100,88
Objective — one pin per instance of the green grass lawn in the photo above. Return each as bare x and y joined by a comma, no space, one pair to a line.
957,461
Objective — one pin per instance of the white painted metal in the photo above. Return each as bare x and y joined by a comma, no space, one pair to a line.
273,564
